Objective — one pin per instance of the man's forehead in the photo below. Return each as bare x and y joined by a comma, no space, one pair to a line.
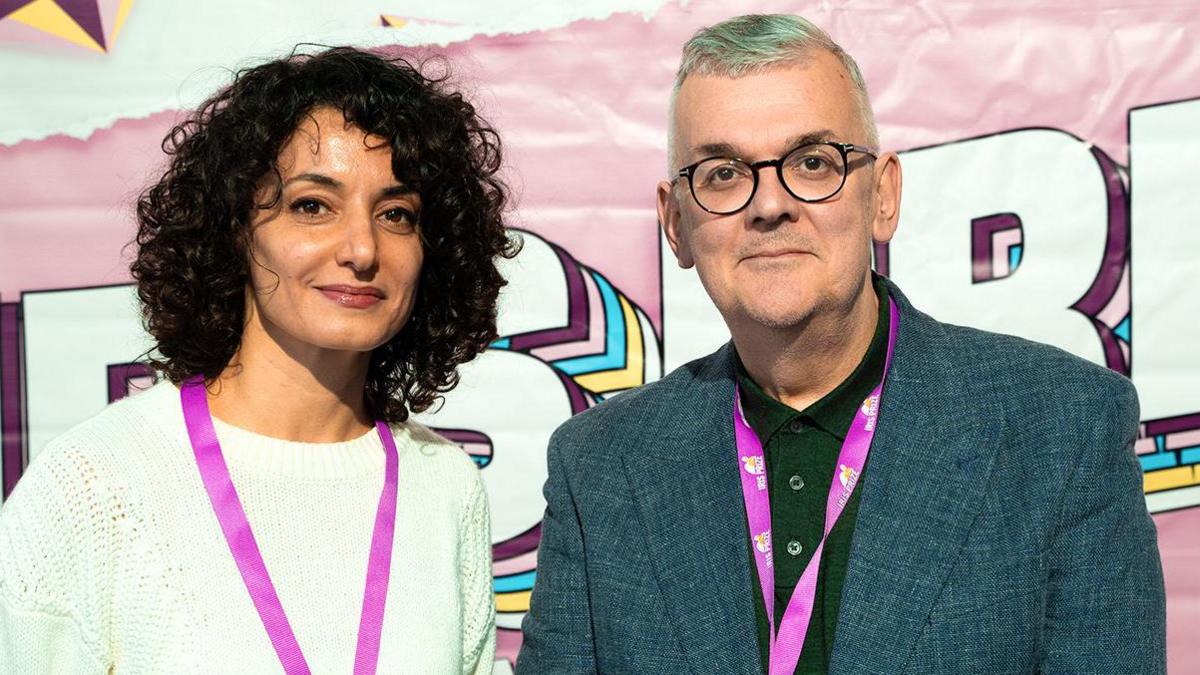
812,99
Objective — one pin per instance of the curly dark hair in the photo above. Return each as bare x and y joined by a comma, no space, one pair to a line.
193,259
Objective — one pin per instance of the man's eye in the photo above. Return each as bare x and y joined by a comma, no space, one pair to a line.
814,164
724,173
721,175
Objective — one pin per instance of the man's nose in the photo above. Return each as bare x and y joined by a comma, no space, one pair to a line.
771,204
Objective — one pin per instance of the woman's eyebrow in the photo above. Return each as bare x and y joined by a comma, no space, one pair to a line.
397,190
317,178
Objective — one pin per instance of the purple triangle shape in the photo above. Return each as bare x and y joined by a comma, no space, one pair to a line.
87,14
9,6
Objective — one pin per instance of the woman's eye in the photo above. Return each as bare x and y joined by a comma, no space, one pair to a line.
308,207
400,217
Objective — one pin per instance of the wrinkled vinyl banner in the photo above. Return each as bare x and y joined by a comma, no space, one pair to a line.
1050,157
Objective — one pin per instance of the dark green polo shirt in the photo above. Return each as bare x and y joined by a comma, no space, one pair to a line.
801,449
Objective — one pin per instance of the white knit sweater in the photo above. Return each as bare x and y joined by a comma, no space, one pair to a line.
111,559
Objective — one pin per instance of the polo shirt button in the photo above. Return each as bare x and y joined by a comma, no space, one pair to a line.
794,548
795,482
795,426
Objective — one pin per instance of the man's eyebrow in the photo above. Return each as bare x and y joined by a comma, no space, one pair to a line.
714,150
819,136
727,150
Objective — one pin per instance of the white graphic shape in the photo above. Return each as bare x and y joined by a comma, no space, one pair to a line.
1052,182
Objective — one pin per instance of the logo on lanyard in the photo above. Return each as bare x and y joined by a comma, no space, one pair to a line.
755,467
870,408
762,541
847,476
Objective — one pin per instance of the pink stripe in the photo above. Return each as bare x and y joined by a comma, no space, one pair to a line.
1001,241
1145,446
521,563
1183,439
596,329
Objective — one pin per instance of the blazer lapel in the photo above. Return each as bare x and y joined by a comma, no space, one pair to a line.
687,495
923,487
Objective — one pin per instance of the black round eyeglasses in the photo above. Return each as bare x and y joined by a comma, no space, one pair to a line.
812,172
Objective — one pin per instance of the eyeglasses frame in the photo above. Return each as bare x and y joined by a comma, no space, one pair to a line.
843,148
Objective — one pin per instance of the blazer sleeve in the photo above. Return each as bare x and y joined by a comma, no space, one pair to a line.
558,627
1106,609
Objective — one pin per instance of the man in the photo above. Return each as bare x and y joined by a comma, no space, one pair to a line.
726,519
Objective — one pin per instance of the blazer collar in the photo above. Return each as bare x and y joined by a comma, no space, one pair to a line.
923,487
688,499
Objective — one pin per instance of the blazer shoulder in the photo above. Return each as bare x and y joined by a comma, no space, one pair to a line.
1037,374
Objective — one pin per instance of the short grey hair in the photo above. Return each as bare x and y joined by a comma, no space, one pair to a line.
752,43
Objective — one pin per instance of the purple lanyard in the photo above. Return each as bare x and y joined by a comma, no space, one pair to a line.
236,528
785,647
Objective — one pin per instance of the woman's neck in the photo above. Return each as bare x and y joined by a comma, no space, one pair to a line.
297,392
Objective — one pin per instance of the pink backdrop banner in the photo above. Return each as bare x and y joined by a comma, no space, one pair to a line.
582,112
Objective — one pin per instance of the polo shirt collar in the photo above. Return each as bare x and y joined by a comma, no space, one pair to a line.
833,412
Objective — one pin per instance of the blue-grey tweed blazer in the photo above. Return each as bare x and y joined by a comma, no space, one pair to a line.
1002,527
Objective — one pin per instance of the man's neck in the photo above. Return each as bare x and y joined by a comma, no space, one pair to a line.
295,392
799,366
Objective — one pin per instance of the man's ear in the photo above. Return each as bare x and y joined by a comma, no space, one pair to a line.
888,182
669,218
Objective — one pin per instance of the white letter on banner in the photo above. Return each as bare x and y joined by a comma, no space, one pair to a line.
511,402
71,337
535,298
1045,180
516,401
1164,153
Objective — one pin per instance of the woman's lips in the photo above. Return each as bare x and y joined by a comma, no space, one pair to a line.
354,297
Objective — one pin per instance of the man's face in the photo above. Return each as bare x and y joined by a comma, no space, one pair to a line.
779,262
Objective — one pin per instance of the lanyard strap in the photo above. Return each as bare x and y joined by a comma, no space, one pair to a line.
232,517
784,648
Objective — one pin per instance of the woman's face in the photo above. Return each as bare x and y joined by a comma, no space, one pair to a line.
335,264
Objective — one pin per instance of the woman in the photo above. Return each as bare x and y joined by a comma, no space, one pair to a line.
315,263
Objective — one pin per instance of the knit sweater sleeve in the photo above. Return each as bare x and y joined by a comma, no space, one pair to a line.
479,601
55,532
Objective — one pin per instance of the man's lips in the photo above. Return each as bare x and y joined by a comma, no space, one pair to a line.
359,297
781,253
